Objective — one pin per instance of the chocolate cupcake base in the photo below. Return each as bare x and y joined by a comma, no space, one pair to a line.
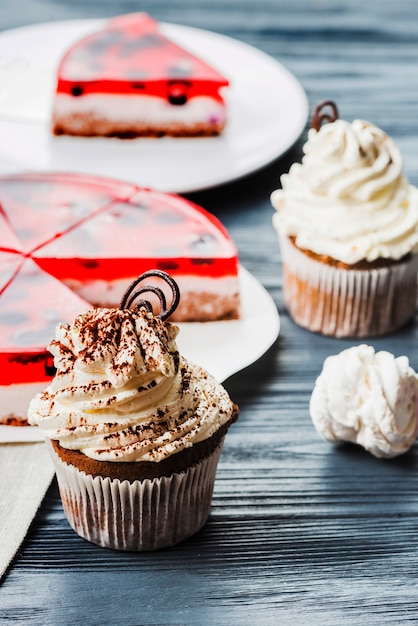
139,516
133,508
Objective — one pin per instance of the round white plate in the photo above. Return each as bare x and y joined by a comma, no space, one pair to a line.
267,112
222,348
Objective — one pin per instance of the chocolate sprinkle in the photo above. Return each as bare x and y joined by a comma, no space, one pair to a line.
132,294
318,116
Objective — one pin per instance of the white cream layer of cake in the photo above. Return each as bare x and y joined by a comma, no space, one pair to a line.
15,398
143,110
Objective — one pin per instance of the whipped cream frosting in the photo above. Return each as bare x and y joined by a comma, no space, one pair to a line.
369,398
349,199
122,391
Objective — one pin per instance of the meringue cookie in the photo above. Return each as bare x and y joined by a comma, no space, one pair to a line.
368,398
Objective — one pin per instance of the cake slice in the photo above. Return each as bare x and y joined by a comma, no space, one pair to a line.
129,80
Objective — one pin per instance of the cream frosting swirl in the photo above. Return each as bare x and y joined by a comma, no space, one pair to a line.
122,392
349,199
369,398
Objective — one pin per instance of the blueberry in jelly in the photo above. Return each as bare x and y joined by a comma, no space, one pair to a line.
49,367
204,243
177,98
140,205
52,315
34,337
132,215
130,47
12,318
89,264
183,68
177,92
165,252
148,41
100,45
76,90
167,265
168,217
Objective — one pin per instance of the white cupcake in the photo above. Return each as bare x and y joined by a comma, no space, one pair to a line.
347,220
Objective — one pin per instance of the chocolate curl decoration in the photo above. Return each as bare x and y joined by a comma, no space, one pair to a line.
319,117
132,294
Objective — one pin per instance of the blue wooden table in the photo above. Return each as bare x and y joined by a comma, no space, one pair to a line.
300,532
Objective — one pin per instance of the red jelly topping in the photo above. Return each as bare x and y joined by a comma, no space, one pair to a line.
132,56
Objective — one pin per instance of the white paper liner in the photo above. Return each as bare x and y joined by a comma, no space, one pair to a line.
347,303
139,516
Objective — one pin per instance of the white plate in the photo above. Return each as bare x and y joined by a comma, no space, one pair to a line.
222,348
267,110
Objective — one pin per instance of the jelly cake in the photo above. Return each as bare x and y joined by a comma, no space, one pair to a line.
129,80
68,242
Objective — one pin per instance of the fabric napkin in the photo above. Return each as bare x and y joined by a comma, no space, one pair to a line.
26,471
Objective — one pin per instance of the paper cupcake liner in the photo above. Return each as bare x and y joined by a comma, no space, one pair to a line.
347,302
138,516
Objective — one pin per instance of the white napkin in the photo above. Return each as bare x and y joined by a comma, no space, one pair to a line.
26,472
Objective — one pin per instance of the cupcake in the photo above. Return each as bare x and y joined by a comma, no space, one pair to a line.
135,430
368,398
347,220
